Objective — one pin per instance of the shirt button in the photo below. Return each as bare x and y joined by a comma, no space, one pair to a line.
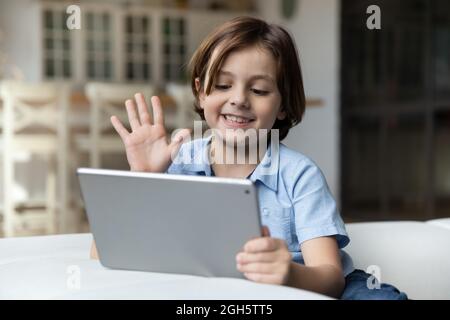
265,211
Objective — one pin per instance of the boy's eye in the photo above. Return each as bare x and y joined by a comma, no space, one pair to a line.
222,87
260,92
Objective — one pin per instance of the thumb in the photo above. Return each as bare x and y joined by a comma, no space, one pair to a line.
178,140
265,231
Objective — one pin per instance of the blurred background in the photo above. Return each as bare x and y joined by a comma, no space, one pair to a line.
378,101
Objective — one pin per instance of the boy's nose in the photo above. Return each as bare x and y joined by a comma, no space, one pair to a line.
240,100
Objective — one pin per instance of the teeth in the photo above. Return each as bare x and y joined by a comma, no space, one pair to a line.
236,119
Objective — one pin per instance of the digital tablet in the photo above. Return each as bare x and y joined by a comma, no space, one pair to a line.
169,223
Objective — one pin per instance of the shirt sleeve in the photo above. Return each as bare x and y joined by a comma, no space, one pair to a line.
316,213
175,167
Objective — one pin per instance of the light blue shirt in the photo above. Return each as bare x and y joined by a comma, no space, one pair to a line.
295,202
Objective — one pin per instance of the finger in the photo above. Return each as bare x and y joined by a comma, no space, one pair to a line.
244,257
179,138
257,267
261,244
265,231
157,110
132,115
121,130
181,135
263,278
144,115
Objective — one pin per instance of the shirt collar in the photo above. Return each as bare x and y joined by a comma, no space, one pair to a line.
266,171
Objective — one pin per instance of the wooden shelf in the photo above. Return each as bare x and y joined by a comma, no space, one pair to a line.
314,102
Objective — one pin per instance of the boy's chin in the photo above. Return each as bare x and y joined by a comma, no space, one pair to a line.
235,139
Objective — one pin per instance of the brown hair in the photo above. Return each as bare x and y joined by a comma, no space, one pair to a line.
242,32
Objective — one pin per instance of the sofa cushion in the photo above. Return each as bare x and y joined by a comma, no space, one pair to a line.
413,256
443,223
58,267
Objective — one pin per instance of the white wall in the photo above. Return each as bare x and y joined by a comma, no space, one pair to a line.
315,27
19,21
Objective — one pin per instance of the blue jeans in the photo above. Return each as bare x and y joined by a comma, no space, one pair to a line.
356,288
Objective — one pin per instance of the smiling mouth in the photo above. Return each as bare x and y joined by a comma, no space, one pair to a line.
237,119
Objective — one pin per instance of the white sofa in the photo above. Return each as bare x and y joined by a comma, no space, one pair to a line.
58,267
414,256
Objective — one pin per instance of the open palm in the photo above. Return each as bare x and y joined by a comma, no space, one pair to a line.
146,146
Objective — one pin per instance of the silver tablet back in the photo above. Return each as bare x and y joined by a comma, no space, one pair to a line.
169,223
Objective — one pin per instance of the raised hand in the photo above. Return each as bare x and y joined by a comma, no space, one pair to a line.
146,146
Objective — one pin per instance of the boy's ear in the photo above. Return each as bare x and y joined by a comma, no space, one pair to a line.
200,92
281,114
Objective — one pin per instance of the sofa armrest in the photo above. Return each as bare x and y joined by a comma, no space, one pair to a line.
443,223
413,256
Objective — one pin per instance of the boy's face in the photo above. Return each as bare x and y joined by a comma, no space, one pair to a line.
245,95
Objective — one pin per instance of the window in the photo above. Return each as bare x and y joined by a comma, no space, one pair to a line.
99,46
174,48
137,47
57,45
132,43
